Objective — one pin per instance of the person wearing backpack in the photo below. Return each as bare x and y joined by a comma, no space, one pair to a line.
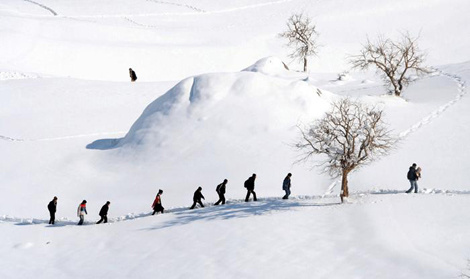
81,211
413,177
104,213
157,203
52,207
250,188
197,198
286,186
220,189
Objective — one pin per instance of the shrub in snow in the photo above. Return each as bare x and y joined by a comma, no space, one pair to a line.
350,135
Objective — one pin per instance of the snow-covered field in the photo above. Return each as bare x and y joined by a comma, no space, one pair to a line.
73,126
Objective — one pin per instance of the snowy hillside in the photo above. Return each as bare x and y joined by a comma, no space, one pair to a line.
214,100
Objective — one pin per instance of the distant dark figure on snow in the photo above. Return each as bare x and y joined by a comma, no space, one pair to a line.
104,213
286,186
413,176
81,211
132,75
197,198
157,203
52,206
250,188
220,189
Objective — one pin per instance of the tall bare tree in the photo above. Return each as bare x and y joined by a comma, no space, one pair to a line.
350,135
302,37
394,60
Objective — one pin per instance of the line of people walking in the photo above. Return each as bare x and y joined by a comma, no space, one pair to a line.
413,175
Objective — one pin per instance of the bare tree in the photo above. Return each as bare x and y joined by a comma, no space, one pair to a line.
394,60
302,37
350,135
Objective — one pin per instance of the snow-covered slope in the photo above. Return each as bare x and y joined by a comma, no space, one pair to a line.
73,126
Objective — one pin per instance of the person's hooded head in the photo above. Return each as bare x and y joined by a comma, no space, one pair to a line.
199,189
84,202
160,191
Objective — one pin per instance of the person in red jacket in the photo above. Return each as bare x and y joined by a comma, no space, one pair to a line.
157,203
81,211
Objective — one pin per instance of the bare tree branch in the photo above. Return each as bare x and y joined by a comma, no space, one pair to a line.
350,135
393,60
302,36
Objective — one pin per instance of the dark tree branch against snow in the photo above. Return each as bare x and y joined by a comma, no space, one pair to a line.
350,135
302,37
394,60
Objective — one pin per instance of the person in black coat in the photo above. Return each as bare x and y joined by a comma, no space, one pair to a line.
221,192
52,206
197,198
413,178
250,187
132,75
104,213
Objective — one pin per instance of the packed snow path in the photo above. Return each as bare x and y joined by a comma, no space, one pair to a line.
439,111
240,206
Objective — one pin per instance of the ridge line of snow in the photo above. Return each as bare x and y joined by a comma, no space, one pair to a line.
42,6
197,11
133,216
179,5
427,119
5,138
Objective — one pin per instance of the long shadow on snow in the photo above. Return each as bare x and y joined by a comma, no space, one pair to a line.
232,211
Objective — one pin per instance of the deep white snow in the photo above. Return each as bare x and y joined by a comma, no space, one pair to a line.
214,100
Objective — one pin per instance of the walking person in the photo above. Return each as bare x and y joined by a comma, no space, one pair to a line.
132,75
250,188
197,198
286,186
413,177
220,189
104,213
81,211
52,207
157,203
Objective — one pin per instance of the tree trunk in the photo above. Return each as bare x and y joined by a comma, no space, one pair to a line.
305,64
344,185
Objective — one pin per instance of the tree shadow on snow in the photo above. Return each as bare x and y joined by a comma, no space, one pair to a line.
236,210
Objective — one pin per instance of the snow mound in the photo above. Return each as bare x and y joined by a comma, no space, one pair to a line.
227,106
269,66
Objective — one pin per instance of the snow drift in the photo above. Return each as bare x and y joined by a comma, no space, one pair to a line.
230,109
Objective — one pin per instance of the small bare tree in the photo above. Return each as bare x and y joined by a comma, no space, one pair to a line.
302,37
394,60
350,135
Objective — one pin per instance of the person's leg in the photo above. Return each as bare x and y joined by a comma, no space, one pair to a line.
200,203
194,205
105,218
288,192
286,195
416,186
254,196
411,188
223,198
82,218
101,220
219,201
247,195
